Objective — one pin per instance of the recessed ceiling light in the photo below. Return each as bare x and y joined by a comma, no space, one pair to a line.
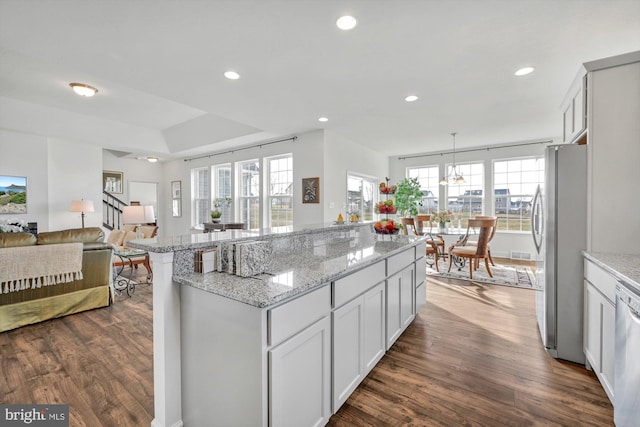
83,89
411,98
232,75
346,22
152,159
323,119
524,71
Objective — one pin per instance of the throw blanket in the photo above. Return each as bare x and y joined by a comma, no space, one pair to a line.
27,267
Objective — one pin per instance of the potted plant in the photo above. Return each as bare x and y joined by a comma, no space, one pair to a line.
218,203
408,197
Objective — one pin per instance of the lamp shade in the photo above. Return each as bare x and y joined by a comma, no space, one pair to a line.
137,214
133,214
81,206
149,214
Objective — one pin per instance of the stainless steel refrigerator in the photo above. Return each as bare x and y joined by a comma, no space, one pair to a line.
559,227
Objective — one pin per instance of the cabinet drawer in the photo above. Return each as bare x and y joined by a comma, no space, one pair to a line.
602,280
291,317
355,284
398,262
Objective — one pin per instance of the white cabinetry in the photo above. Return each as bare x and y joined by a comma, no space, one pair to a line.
358,341
294,363
599,324
573,109
613,98
400,294
421,284
300,367
300,378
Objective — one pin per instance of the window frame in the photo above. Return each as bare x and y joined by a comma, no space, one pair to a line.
373,182
474,185
429,181
271,197
198,200
523,218
251,215
227,211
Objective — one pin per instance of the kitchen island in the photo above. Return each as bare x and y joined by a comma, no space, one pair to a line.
286,347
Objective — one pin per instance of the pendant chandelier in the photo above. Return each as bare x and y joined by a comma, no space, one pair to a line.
453,175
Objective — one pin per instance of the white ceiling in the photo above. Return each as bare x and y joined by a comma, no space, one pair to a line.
159,69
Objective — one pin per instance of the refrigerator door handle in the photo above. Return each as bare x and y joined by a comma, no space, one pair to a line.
536,220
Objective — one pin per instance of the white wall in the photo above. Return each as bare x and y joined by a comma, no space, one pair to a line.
503,242
75,172
341,156
308,161
135,170
24,154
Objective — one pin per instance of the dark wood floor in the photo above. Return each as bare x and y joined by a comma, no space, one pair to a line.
472,357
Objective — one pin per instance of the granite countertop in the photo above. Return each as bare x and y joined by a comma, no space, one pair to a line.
624,267
205,240
298,272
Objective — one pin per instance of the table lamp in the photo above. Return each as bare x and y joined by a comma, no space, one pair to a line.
138,215
82,206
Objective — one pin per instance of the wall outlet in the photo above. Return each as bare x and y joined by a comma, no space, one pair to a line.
332,205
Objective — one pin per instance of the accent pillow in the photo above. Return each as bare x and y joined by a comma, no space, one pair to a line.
147,231
116,237
129,227
130,235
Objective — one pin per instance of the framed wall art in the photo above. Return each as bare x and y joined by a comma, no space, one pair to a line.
112,182
13,194
310,190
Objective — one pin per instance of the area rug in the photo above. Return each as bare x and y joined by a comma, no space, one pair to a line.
506,275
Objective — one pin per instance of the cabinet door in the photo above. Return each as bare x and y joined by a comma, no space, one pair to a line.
592,318
407,296
394,290
567,118
347,350
400,305
373,323
300,378
579,113
421,296
608,347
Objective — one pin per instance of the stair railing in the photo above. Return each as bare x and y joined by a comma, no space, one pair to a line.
112,211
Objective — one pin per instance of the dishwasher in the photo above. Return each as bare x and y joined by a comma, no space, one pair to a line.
627,371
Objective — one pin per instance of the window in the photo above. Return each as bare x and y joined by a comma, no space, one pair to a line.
280,191
465,200
429,184
361,196
515,182
249,193
201,196
222,189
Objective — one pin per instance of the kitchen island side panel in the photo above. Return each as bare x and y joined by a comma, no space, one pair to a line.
224,362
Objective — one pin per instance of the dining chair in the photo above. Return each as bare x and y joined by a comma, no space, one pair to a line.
493,233
409,224
482,228
436,239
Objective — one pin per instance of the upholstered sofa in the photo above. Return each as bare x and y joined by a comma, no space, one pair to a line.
38,298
